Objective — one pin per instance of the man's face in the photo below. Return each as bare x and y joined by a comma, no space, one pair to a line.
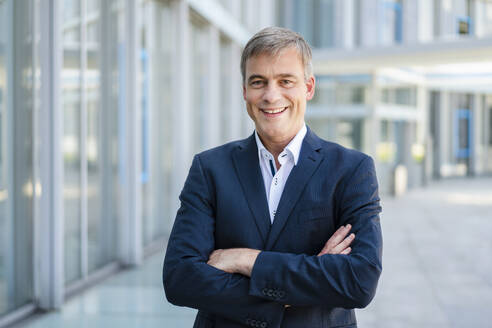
276,93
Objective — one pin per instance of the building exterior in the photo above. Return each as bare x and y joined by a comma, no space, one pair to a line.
102,106
407,81
104,103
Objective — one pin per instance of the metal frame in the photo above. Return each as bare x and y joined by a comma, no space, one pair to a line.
83,143
50,216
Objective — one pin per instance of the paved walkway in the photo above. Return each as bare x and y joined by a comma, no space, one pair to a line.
437,271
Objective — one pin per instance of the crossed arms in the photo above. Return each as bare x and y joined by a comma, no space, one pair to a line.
236,283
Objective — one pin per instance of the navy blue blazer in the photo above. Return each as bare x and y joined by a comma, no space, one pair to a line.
224,205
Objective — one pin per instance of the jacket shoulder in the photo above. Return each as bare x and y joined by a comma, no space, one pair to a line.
341,155
220,154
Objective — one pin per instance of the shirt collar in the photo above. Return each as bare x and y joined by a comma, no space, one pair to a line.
294,146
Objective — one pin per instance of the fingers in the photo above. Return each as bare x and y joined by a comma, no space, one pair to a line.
339,242
343,245
346,251
336,238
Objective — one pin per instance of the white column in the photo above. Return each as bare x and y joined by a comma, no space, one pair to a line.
131,244
370,21
237,104
213,117
182,101
49,271
424,20
343,12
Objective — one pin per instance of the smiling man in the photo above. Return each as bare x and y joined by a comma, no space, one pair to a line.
280,229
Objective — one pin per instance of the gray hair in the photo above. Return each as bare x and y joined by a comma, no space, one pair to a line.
272,40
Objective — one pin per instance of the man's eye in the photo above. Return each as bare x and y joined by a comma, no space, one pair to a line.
256,83
286,82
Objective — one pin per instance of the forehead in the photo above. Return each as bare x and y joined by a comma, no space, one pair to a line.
285,61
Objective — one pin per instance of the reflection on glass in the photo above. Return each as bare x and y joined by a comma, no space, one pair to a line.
95,229
349,133
225,87
157,133
16,171
199,50
71,93
3,164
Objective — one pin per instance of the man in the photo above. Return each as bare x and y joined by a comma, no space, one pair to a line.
262,235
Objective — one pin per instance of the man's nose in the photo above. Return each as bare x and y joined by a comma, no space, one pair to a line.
271,94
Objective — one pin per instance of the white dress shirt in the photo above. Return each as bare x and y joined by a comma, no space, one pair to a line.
275,180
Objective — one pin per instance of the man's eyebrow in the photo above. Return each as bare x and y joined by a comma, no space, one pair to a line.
255,76
282,75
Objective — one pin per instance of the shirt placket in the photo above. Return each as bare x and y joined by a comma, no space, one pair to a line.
276,187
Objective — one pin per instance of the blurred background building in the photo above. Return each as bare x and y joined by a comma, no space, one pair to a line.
104,103
407,81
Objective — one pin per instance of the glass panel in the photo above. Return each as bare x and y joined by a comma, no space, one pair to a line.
199,48
96,250
323,26
225,88
115,118
406,96
16,171
157,150
349,133
3,157
71,92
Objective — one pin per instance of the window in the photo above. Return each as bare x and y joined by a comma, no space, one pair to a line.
200,73
226,92
406,96
392,22
90,134
16,150
157,121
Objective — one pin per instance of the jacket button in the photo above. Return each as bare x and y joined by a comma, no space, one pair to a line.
275,294
248,320
263,325
270,292
264,291
281,294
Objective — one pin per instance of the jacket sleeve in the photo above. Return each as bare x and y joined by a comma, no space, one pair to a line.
347,281
190,281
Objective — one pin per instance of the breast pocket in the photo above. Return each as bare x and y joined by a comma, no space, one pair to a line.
315,214
315,226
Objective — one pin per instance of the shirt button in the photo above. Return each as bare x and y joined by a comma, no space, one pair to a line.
276,181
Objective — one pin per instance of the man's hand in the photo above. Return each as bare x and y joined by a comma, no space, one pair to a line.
234,260
338,242
241,260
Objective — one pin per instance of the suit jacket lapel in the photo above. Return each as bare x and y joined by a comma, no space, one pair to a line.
309,160
248,170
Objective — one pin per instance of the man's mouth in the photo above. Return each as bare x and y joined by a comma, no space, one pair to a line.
273,111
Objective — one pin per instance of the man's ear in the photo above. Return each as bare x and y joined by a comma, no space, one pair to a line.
310,87
244,92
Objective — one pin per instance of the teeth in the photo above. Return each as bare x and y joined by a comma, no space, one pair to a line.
273,111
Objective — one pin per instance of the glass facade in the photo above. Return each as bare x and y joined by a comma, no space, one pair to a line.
338,91
200,71
225,88
71,144
157,121
406,96
90,134
16,151
314,19
74,74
